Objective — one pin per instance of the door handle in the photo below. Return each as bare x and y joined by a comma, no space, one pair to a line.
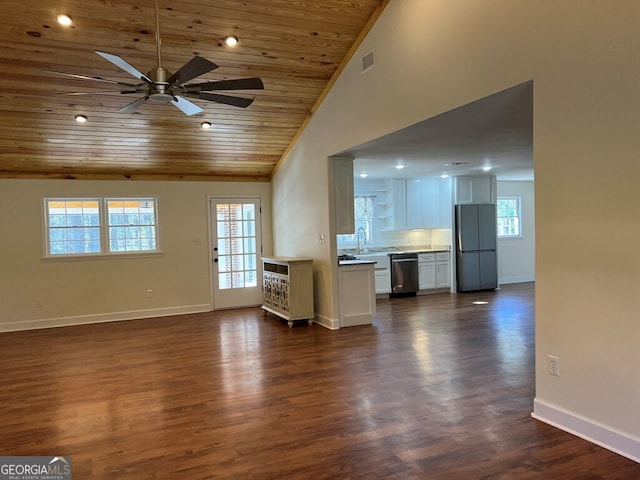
215,260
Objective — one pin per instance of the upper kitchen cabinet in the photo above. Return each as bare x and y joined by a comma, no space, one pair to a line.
446,203
399,189
423,203
406,204
428,203
343,195
475,189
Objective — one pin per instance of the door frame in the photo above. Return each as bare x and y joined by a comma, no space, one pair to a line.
210,242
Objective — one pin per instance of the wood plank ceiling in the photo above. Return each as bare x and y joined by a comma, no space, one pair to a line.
295,46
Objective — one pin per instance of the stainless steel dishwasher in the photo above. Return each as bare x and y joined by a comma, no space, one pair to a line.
404,273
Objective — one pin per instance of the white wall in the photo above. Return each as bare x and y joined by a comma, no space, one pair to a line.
435,55
517,255
37,293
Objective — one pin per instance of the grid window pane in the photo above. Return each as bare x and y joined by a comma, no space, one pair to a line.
73,226
237,256
508,217
363,210
132,225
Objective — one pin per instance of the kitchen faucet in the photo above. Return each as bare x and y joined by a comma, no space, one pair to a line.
364,235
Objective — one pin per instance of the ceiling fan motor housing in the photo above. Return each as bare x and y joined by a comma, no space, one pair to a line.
159,91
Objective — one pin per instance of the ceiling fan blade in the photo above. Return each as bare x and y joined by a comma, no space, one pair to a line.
193,68
186,106
94,78
103,92
123,65
134,105
238,84
226,99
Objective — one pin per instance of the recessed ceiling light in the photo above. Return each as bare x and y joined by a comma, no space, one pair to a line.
231,41
444,175
205,125
364,175
399,167
479,302
81,118
65,20
486,169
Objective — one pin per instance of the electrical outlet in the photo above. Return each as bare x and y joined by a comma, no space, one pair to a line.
554,365
149,293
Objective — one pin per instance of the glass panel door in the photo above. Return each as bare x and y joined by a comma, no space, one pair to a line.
236,249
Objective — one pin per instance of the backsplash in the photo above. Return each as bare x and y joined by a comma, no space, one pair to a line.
427,238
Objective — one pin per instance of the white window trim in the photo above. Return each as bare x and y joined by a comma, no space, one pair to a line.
519,198
105,252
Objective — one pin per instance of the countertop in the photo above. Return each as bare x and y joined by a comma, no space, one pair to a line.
403,250
356,262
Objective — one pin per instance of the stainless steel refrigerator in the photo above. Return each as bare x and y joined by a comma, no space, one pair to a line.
475,233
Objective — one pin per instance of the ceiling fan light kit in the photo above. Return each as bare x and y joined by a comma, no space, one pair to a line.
161,86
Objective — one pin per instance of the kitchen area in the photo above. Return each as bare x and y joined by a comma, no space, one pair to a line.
409,201
405,232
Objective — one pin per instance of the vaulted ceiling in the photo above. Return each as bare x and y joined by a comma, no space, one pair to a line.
295,47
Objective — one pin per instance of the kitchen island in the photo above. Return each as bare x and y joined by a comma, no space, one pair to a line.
356,292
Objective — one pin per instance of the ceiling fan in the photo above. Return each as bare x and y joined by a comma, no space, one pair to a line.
161,86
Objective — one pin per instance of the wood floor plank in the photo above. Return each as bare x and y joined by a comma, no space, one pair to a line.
436,388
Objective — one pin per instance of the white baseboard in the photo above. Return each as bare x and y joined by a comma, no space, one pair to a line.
330,323
102,317
505,280
619,442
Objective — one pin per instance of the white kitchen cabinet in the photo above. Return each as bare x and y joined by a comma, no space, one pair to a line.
443,270
382,270
343,195
426,272
399,203
287,284
383,281
433,270
423,199
475,189
446,203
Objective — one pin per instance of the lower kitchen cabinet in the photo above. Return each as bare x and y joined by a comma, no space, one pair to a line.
287,284
383,281
433,271
426,271
443,270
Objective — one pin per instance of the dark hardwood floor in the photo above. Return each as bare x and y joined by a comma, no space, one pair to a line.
437,388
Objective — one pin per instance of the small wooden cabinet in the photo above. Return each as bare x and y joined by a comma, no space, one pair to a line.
287,285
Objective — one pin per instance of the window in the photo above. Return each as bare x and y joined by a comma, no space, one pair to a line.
363,208
93,226
132,225
508,213
237,252
73,226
